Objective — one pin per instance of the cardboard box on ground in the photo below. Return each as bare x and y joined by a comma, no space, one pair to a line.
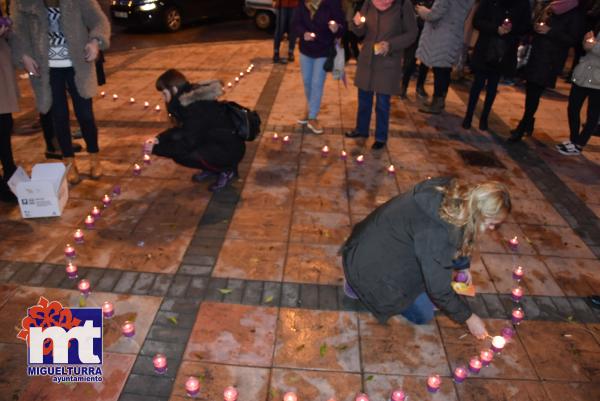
45,194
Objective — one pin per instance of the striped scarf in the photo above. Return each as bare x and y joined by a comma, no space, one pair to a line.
313,6
58,51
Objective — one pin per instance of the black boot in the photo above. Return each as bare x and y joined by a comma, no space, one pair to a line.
466,124
6,194
483,121
524,128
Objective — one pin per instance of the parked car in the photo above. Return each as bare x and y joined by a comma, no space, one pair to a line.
170,14
263,13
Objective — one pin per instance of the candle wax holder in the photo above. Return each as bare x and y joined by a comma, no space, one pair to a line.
89,222
84,287
78,237
513,244
498,343
517,316
70,251
507,333
486,357
108,310
398,395
475,365
343,155
71,271
325,151
290,396
192,386
230,394
137,169
517,294
160,364
128,329
96,213
106,200
433,384
116,190
460,374
518,273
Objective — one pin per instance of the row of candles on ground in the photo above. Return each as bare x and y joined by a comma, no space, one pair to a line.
157,108
360,159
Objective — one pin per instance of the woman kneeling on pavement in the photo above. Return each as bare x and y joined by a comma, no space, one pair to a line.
204,136
400,259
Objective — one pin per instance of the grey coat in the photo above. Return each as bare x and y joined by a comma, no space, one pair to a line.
9,94
396,25
443,35
81,21
587,72
403,249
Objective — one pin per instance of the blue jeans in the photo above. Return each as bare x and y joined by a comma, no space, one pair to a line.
313,76
283,24
382,114
421,311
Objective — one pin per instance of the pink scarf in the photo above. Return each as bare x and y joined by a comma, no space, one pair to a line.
382,5
562,6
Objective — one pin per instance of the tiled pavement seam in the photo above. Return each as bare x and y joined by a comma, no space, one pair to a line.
193,285
576,213
184,291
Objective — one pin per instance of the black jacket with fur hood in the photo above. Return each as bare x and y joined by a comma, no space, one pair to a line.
204,135
402,249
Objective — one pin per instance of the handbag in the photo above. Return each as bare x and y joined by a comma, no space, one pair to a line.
328,66
496,50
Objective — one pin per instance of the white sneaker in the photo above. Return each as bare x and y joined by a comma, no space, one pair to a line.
303,121
315,127
568,149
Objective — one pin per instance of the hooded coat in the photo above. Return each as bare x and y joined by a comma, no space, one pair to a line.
9,100
81,21
204,135
398,26
402,249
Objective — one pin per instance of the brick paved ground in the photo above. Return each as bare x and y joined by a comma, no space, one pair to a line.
243,287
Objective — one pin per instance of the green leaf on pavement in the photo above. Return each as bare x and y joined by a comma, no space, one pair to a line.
323,350
82,302
269,299
369,378
173,320
225,291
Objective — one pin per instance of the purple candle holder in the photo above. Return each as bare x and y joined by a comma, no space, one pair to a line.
461,277
433,383
475,365
460,374
507,333
116,190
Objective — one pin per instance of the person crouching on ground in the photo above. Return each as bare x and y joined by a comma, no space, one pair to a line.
400,259
204,136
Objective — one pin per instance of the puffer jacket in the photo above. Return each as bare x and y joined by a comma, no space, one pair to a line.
587,72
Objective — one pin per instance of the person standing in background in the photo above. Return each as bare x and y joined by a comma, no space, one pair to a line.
350,40
440,45
410,62
284,14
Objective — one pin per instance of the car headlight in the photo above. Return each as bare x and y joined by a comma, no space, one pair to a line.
148,7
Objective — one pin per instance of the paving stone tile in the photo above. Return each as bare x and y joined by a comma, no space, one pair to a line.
272,294
247,259
531,211
494,306
149,385
13,358
196,270
497,241
126,282
235,334
317,340
561,351
237,291
24,272
399,347
108,280
40,274
582,311
252,293
152,347
380,386
179,286
310,263
491,390
7,272
161,285
290,295
328,297
572,391
312,385
143,366
321,199
269,225
251,382
557,241
576,277
319,228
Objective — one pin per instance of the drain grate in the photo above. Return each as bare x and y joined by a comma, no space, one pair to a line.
479,158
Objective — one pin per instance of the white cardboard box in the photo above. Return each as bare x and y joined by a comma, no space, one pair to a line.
45,194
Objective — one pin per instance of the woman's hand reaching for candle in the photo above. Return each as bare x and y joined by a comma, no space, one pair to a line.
477,327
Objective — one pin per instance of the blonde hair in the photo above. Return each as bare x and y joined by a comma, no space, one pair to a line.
468,206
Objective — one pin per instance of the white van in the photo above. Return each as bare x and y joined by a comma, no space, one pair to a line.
262,11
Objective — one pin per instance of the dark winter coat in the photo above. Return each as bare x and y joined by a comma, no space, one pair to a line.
329,10
489,16
398,26
403,249
549,52
205,134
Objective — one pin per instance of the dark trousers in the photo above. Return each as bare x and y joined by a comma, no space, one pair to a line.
62,80
48,130
486,79
283,24
410,64
350,42
577,96
382,114
441,81
533,94
6,156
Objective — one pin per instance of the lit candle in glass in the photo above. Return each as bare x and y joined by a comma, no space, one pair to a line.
391,169
343,155
242,74
108,309
89,222
78,236
313,35
486,357
116,190
237,79
229,84
360,159
517,294
252,66
460,374
590,40
160,363
398,395
137,169
71,270
517,315
84,287
542,23
363,20
96,213
103,94
147,159
507,333
230,394
146,105
192,386
290,396
475,365
286,139
128,329
275,136
115,96
106,200
507,21
131,100
361,397
518,273
157,108
513,244
69,251
434,383
498,343
325,151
